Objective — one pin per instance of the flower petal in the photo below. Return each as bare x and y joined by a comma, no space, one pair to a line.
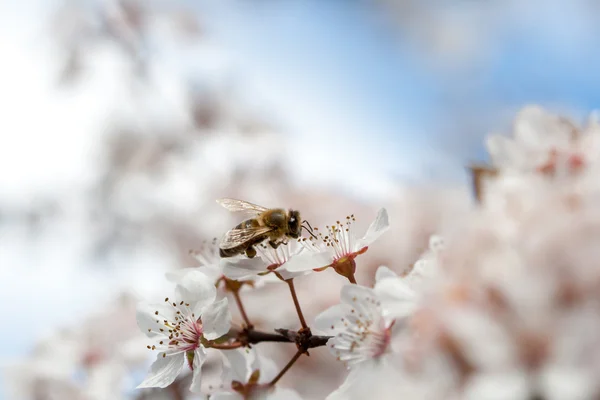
384,272
307,261
236,367
377,227
196,288
216,319
398,300
163,371
331,321
243,268
146,317
199,358
363,299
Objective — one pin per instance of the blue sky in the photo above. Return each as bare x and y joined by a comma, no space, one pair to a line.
337,61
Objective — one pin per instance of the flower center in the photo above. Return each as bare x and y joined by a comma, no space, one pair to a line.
362,341
183,332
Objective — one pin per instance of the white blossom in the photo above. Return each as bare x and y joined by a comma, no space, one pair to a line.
363,337
181,328
339,246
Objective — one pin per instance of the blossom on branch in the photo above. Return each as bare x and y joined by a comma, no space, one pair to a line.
338,247
182,328
364,336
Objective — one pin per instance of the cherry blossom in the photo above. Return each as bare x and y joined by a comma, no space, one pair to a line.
339,246
182,328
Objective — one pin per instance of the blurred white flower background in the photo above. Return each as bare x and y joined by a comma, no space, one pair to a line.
124,120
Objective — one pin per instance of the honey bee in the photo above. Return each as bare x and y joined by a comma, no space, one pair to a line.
274,224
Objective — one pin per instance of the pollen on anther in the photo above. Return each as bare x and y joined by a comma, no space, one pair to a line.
155,312
332,327
164,355
166,299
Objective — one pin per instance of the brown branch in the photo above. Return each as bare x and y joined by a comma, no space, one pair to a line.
303,339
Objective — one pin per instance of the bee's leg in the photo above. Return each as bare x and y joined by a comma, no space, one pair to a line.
250,252
274,244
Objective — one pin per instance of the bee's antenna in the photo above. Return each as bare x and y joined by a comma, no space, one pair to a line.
308,223
310,231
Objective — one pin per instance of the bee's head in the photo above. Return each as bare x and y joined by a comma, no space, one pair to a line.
294,224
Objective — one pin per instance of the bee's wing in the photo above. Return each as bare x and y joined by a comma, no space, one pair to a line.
241,205
236,237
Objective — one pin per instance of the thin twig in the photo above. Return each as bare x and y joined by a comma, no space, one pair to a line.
290,283
285,369
238,300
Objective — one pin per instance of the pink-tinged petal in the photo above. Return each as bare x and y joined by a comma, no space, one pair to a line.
146,317
243,268
197,289
377,227
398,300
163,371
216,319
511,385
199,358
236,366
308,261
331,321
384,272
226,396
